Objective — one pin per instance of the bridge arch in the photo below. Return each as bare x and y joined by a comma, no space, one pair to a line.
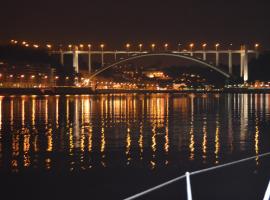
134,57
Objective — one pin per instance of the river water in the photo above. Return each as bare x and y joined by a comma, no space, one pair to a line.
115,145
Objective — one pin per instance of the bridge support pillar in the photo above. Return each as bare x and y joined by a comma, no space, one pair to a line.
244,63
230,61
204,56
257,54
89,62
76,60
102,59
61,57
115,56
217,58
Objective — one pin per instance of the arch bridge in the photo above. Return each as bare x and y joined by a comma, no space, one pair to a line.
184,54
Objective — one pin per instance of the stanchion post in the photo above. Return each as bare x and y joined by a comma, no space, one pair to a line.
189,193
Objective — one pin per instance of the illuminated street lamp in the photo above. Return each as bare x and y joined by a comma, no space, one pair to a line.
140,47
166,46
102,55
178,46
89,46
35,46
102,47
217,45
204,46
23,43
81,46
127,46
27,45
153,47
191,46
70,46
256,49
256,46
22,76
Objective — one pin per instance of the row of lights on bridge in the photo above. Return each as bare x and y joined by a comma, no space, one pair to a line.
128,45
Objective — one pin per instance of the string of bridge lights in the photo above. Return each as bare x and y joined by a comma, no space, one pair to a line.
128,46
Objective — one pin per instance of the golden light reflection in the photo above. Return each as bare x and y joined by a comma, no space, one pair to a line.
128,144
217,144
50,140
191,132
204,143
90,135
57,111
191,143
26,148
167,142
71,142
46,110
11,113
23,110
256,140
48,163
103,146
141,140
154,148
33,116
15,152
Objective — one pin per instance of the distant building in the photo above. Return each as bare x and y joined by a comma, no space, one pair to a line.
26,75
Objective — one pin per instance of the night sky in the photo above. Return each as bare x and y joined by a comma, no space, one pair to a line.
116,22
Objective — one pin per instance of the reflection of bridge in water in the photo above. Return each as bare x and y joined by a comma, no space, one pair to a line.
197,56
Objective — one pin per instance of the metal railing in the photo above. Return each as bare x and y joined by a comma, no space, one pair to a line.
188,183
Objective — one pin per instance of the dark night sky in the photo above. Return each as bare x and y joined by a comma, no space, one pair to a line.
116,22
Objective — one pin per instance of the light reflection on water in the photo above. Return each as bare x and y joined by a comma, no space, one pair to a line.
147,131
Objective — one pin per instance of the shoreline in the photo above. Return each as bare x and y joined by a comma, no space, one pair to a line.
89,91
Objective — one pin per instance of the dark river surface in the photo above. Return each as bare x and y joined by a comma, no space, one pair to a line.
116,145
